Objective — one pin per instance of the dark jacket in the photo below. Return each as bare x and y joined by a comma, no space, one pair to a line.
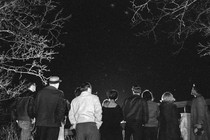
169,122
135,109
23,106
49,107
200,115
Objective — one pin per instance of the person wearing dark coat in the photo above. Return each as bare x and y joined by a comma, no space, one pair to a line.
135,112
200,117
49,110
23,111
111,117
169,119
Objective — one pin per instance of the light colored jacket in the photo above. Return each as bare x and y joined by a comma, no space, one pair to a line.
85,108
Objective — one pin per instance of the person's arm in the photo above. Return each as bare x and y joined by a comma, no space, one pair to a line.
14,110
145,111
60,109
72,115
157,110
120,114
200,110
123,109
120,117
98,112
30,109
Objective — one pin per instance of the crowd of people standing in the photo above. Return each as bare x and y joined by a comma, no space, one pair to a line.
43,115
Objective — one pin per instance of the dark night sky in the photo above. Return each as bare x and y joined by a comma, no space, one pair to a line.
101,48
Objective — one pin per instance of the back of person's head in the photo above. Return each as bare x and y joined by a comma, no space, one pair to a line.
77,91
136,89
29,86
147,95
167,97
112,94
85,86
32,87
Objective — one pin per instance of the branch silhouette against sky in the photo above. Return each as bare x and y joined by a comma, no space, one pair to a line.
176,19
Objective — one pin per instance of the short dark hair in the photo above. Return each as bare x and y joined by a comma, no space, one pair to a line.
112,94
147,95
85,86
77,91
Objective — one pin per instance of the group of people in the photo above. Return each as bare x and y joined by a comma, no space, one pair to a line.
139,117
40,115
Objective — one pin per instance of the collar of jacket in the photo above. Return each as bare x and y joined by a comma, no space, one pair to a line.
51,87
84,93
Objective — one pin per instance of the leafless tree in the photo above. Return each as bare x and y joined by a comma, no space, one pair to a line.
29,34
177,19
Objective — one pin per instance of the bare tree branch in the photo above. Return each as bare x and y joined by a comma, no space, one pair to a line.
29,34
178,19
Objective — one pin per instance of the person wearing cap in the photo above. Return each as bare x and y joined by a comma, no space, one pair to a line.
86,113
49,110
135,112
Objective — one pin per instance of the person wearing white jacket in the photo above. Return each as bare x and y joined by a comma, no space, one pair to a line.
85,114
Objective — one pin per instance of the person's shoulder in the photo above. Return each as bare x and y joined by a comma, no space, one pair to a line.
25,93
93,96
73,100
105,103
132,96
76,100
118,106
127,99
43,89
150,103
200,97
153,103
167,103
61,92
